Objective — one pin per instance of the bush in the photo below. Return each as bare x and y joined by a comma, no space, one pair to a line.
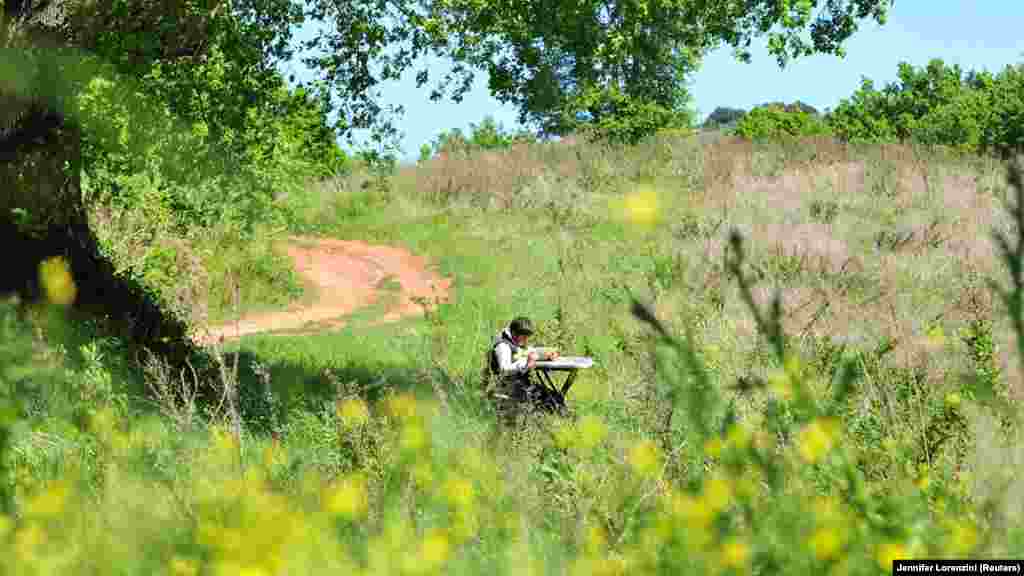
622,119
488,135
777,121
938,104
723,117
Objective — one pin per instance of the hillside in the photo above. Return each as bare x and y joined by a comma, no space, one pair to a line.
861,435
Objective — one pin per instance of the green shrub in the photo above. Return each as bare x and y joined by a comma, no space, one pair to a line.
623,119
774,121
488,135
938,104
724,117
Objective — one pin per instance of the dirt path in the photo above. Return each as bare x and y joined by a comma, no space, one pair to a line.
345,276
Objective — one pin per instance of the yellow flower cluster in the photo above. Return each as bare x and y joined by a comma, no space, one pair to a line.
348,497
259,532
817,439
585,435
783,382
645,458
353,413
640,207
962,538
828,539
55,278
734,554
888,552
245,523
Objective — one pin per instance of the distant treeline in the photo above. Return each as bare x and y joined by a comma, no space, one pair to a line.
938,104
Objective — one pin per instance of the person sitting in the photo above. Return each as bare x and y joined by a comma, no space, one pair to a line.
510,363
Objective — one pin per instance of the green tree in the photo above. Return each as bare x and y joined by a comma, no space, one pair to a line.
780,121
487,135
724,116
179,90
938,104
622,65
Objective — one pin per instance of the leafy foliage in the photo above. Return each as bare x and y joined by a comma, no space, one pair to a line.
938,104
487,135
621,67
724,116
777,121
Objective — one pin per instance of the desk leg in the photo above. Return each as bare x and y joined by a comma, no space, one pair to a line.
546,378
568,383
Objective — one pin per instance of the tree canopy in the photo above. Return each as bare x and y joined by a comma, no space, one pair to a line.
563,64
621,65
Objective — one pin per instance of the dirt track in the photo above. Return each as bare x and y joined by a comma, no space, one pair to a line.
345,276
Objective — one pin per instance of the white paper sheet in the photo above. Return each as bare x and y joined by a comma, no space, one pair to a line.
567,362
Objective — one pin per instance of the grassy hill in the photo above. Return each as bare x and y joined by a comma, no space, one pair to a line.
860,424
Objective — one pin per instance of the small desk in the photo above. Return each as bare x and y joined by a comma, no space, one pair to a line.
570,364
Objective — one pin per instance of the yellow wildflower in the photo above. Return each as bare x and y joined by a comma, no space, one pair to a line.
183,567
460,492
55,278
888,552
596,539
434,550
592,432
50,503
354,412
826,543
224,441
402,406
694,511
953,400
735,554
817,439
348,497
641,207
962,538
713,447
27,540
414,437
717,493
644,458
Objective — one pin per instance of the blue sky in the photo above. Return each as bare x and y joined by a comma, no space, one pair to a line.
978,34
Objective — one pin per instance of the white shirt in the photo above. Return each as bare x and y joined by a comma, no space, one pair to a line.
505,363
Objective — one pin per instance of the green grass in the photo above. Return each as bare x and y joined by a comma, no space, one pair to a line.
701,445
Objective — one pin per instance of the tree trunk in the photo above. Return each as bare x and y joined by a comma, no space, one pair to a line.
41,208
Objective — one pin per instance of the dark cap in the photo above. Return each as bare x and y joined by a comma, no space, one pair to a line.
521,326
